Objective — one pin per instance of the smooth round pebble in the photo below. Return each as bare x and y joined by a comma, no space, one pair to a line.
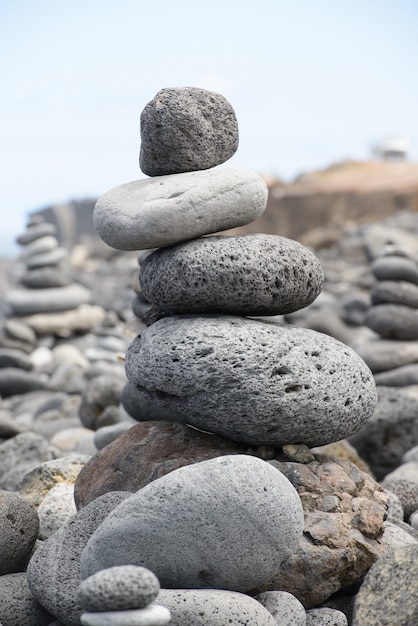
166,210
51,258
241,274
15,381
284,607
29,301
38,246
118,588
395,268
393,321
395,292
45,278
186,129
252,381
36,231
160,526
154,615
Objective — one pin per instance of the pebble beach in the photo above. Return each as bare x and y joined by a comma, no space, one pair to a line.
205,428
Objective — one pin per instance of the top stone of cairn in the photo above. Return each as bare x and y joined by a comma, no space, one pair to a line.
186,129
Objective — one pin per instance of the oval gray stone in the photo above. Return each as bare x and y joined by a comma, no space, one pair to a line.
214,607
46,277
36,232
118,588
250,515
53,257
19,525
165,210
241,274
186,129
38,246
251,380
284,607
393,321
18,607
395,292
28,301
154,615
395,268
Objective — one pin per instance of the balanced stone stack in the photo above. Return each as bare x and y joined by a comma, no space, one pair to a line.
393,316
209,361
49,301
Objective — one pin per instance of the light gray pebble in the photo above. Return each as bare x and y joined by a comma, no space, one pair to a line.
101,392
46,277
395,537
186,129
55,509
160,526
18,330
284,607
166,210
14,358
19,455
403,376
118,588
38,246
29,301
276,383
240,274
53,257
154,615
395,508
395,292
213,607
325,617
393,321
36,232
107,434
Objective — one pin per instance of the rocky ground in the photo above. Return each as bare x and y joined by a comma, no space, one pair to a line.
67,409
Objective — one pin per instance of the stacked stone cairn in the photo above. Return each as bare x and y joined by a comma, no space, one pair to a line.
49,302
394,317
218,531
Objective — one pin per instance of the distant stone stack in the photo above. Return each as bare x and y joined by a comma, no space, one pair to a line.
49,301
207,361
394,317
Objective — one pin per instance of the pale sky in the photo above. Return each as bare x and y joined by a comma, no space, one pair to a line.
311,82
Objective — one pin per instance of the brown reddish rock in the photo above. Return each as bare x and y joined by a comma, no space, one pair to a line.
344,512
145,452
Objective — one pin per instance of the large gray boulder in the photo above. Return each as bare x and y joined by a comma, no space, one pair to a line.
251,380
224,523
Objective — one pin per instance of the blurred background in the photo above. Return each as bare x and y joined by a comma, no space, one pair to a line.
313,84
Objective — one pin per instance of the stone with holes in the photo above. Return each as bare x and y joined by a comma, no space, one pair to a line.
251,380
241,274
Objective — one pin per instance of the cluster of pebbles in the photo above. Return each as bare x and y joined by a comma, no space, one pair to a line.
222,470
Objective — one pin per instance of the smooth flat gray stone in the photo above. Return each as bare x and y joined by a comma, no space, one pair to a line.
393,321
154,615
395,292
36,232
53,257
400,377
240,274
45,277
251,380
387,354
28,302
14,358
395,268
223,523
20,331
186,129
38,246
166,210
213,607
14,381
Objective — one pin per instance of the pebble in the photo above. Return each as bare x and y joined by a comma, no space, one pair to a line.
14,358
19,455
118,588
140,408
284,607
213,607
45,278
400,377
54,569
186,129
154,615
388,593
99,394
36,231
146,452
51,258
325,617
240,274
106,434
395,292
19,525
395,537
222,494
15,381
29,301
166,210
66,323
38,246
393,321
276,383
395,268
56,508
17,330
383,354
